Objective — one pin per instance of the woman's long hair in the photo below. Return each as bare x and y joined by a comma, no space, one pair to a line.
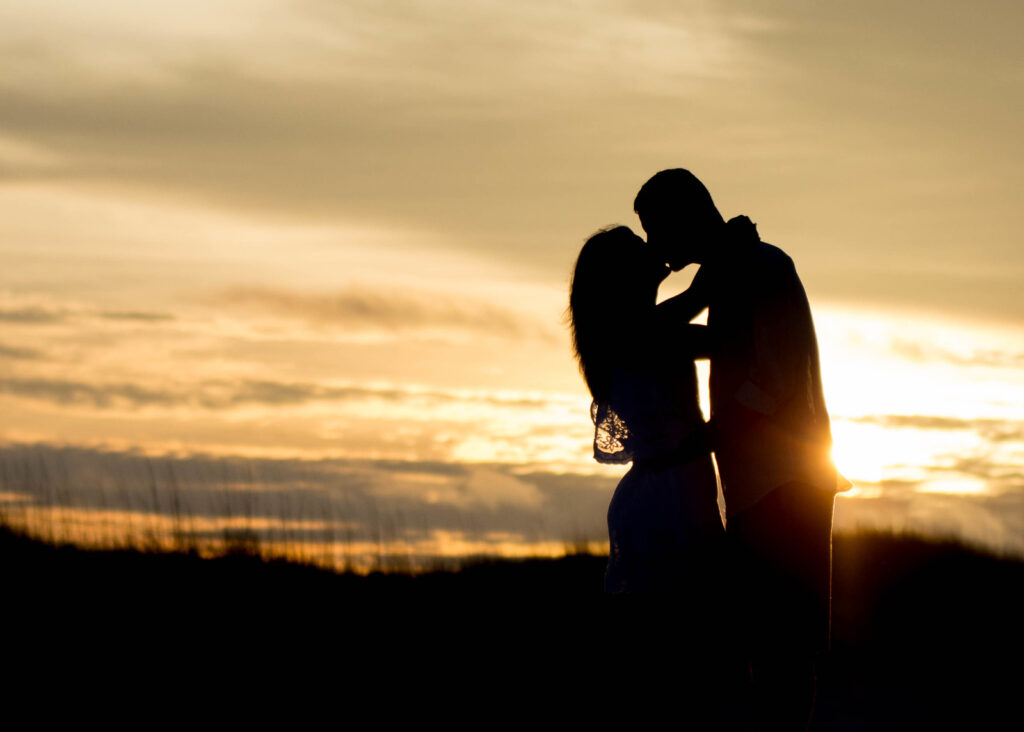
608,296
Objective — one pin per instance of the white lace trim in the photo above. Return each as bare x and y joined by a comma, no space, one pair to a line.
611,436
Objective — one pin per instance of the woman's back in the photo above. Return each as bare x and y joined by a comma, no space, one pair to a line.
655,393
663,521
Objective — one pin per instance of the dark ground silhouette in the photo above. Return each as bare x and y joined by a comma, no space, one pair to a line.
926,634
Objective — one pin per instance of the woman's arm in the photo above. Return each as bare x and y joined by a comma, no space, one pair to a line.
688,304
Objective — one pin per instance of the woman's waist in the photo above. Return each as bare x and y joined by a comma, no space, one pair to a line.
665,435
667,448
687,467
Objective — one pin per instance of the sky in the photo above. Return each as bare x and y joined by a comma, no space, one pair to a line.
333,240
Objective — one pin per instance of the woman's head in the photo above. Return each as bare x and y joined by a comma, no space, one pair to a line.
614,286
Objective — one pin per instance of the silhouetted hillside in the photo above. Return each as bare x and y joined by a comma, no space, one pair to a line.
926,634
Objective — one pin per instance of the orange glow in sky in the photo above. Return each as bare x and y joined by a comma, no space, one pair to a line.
332,242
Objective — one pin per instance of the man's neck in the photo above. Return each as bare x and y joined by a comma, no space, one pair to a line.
716,248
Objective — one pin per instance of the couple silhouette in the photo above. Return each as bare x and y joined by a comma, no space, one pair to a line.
760,583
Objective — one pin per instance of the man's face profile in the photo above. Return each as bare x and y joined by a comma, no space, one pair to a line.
671,242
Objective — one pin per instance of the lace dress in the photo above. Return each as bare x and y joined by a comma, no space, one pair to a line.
663,522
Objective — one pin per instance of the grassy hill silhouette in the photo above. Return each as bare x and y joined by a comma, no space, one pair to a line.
926,633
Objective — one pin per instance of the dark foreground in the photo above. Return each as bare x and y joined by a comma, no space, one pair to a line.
926,635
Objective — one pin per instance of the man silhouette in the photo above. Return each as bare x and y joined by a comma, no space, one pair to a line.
770,433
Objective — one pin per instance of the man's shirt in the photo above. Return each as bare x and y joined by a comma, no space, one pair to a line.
767,403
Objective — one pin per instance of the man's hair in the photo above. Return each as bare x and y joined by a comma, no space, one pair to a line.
675,192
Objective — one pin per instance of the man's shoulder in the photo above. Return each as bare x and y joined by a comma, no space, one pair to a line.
771,255
761,263
753,273
772,267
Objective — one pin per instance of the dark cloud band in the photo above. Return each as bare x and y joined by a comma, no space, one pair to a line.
219,395
367,310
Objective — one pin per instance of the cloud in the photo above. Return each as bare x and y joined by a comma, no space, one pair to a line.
14,352
359,111
210,395
32,315
340,501
67,392
996,430
395,312
134,315
996,358
1005,432
50,315
994,521
17,154
986,467
337,500
222,394
916,421
465,119
925,352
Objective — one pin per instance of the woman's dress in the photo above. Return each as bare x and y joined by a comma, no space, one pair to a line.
664,525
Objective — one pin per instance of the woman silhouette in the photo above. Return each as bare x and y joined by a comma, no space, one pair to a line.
664,526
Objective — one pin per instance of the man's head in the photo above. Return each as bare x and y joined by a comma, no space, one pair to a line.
679,217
